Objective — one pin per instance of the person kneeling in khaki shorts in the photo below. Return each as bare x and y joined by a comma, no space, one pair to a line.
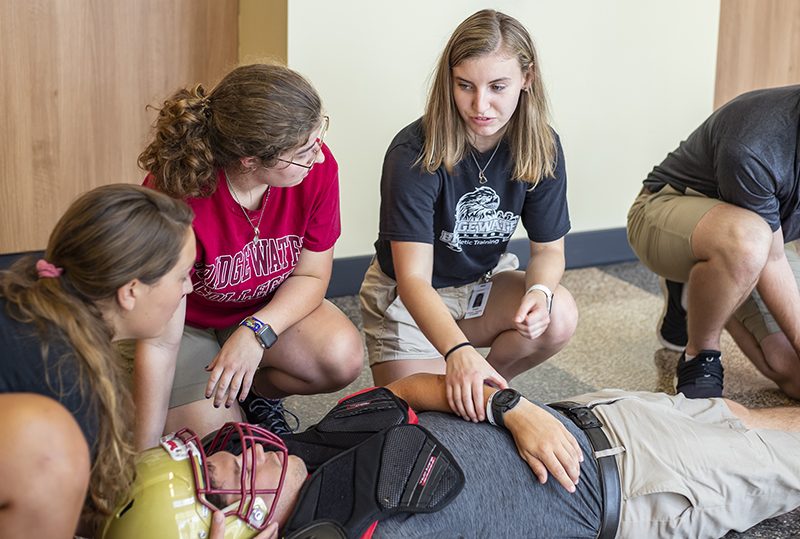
715,215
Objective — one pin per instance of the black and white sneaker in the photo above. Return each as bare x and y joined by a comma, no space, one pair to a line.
672,325
268,413
700,377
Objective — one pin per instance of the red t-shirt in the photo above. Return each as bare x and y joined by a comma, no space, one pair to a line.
234,275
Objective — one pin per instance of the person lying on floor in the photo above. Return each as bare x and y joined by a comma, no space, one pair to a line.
655,465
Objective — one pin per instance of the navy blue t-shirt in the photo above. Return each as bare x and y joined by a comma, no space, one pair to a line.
23,369
746,154
468,224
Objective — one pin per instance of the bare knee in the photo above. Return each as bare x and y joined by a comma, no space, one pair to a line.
782,364
743,244
564,319
790,385
342,360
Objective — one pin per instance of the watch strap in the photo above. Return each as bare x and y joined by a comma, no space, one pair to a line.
496,411
547,294
264,333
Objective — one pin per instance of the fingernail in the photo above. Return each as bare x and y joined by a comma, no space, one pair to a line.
216,406
227,405
208,396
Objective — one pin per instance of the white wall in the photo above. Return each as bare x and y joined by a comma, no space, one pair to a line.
627,80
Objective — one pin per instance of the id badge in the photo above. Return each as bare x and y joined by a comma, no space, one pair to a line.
478,300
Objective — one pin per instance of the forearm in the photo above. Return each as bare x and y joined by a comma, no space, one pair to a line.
541,440
430,313
426,392
778,289
546,266
296,298
153,374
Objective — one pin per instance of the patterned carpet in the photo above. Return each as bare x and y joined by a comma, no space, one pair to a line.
615,346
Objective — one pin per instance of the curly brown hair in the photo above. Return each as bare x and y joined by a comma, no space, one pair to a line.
258,110
108,237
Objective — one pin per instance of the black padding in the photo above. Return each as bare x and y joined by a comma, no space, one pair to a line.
319,530
401,470
370,411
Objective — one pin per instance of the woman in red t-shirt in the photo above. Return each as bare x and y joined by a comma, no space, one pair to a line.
250,160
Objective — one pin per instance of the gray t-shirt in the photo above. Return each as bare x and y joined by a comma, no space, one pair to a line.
746,153
501,496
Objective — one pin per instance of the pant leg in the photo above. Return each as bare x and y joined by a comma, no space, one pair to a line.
690,467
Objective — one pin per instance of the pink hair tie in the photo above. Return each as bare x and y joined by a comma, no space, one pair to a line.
46,269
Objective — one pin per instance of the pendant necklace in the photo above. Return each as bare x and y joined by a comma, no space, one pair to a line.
481,176
236,198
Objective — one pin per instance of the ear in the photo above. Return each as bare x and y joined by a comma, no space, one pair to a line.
528,78
249,163
127,294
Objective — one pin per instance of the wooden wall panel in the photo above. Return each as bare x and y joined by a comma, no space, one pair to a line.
263,31
75,77
759,46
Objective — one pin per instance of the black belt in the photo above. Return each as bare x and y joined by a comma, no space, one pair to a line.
586,419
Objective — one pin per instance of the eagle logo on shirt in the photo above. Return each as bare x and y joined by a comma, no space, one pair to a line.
478,221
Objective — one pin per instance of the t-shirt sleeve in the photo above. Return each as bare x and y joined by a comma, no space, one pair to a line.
745,181
325,225
545,214
408,197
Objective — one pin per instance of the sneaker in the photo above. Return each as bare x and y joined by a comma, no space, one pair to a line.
269,414
672,326
700,377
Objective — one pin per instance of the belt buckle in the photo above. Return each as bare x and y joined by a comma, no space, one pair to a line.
584,418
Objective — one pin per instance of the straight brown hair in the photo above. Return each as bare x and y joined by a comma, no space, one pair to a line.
108,237
531,140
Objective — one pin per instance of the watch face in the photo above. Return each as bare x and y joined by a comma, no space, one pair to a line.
267,336
506,397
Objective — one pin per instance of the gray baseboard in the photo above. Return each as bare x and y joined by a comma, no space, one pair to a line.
594,248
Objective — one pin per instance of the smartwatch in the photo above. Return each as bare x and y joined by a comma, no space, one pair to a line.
500,403
264,333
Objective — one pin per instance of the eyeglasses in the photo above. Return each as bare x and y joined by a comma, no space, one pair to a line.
317,142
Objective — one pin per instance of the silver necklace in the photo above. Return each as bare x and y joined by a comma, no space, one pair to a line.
236,198
481,176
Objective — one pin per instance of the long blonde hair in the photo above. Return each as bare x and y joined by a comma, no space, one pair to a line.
108,237
257,110
530,138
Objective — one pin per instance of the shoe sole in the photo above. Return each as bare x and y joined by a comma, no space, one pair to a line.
662,284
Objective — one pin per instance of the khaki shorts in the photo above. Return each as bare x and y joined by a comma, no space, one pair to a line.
690,468
660,227
198,349
389,329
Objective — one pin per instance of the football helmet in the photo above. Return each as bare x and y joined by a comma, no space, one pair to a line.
169,497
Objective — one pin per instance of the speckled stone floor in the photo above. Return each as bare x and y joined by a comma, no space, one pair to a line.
615,346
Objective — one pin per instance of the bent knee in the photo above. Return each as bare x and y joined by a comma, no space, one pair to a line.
564,319
790,385
783,367
745,243
342,359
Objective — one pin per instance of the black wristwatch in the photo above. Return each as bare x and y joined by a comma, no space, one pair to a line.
264,333
502,402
